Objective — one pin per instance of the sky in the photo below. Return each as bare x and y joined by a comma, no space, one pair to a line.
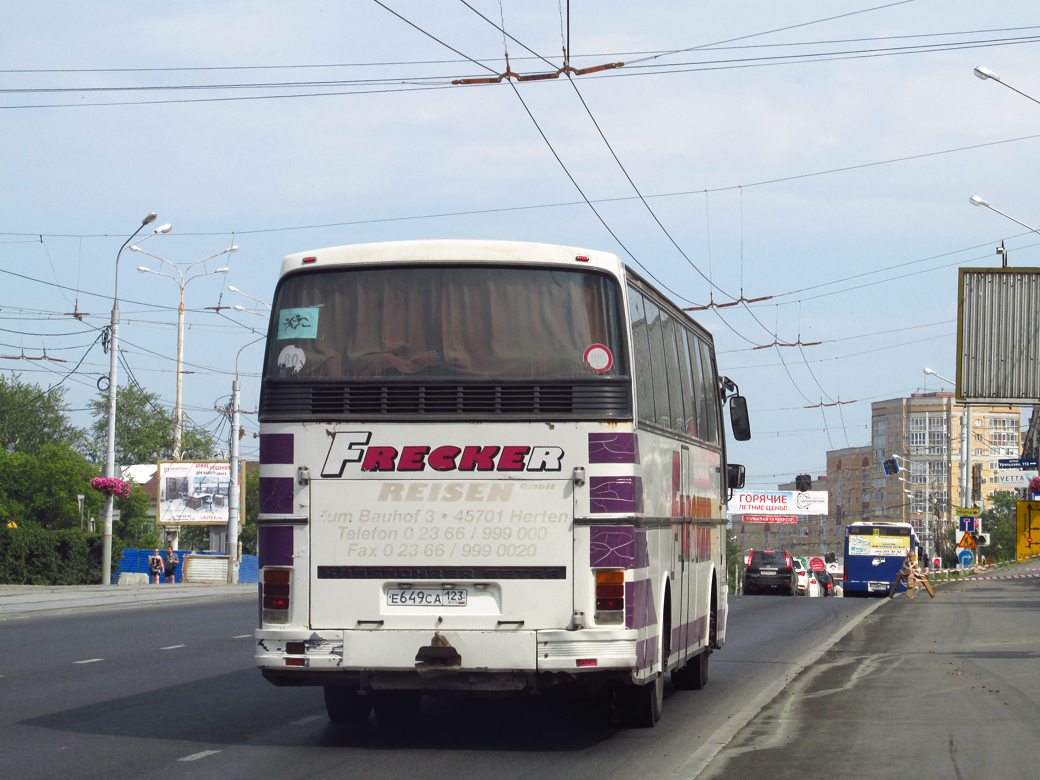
822,153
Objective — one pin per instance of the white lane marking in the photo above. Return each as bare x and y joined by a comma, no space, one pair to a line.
197,756
243,636
172,647
89,661
308,719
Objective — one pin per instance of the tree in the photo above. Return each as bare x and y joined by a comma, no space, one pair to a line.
134,526
41,489
144,430
31,416
249,527
1000,522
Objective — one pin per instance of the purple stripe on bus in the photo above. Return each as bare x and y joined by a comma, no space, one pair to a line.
612,547
646,652
615,495
276,545
639,605
693,632
613,448
276,448
276,495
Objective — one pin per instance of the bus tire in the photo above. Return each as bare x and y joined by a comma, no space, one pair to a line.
693,676
345,705
396,708
640,706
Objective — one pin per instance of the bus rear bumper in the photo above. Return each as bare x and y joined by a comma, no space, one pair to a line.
307,655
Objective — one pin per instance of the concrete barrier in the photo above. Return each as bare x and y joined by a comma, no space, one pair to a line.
132,578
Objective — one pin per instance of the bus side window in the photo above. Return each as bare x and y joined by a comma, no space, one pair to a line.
689,382
711,394
655,329
698,412
671,357
641,357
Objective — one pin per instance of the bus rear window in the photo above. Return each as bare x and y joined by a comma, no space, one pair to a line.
450,321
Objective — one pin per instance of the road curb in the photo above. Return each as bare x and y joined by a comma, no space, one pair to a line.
699,759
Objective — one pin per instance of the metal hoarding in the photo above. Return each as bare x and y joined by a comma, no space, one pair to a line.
998,335
193,492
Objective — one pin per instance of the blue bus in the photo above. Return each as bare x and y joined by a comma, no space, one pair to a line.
874,554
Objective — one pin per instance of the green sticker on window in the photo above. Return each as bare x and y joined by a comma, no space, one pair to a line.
298,323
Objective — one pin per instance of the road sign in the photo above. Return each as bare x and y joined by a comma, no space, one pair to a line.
1011,480
967,524
966,558
817,564
1017,463
967,542
971,511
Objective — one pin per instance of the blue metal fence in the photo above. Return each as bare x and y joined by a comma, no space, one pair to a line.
136,560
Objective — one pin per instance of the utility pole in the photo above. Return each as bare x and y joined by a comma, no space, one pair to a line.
233,492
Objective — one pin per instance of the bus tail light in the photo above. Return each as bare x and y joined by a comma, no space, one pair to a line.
584,662
845,573
276,595
610,596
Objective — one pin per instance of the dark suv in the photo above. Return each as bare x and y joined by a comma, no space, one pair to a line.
771,571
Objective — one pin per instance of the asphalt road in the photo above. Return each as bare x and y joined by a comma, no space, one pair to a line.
172,692
948,688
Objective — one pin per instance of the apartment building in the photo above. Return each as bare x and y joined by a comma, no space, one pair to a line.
923,433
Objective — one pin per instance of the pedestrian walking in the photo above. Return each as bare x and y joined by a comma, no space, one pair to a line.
170,562
155,566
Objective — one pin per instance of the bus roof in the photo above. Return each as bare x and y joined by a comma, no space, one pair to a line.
451,251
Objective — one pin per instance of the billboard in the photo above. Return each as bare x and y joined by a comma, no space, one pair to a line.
779,502
998,335
193,492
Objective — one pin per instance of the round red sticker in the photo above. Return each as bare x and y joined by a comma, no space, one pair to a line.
817,564
598,358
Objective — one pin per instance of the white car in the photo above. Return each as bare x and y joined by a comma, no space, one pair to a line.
813,590
803,576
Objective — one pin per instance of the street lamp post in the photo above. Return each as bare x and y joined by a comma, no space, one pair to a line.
975,200
986,74
233,492
110,451
181,280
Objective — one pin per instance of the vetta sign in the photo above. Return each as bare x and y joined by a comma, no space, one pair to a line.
779,502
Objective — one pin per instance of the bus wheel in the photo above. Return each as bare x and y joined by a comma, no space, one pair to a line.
640,706
694,675
344,705
396,708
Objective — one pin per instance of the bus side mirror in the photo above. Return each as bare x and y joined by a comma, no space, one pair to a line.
738,418
735,476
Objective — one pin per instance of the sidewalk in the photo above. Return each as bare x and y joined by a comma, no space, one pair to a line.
18,601
943,688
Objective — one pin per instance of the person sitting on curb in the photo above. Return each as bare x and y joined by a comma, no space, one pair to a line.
170,564
155,566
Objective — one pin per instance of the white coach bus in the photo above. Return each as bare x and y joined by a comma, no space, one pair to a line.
488,466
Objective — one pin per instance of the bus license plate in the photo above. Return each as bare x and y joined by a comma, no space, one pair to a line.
416,597
878,586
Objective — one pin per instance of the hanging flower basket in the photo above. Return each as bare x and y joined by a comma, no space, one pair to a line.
111,486
1034,485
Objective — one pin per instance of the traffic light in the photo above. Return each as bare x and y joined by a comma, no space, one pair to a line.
976,482
891,466
803,482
